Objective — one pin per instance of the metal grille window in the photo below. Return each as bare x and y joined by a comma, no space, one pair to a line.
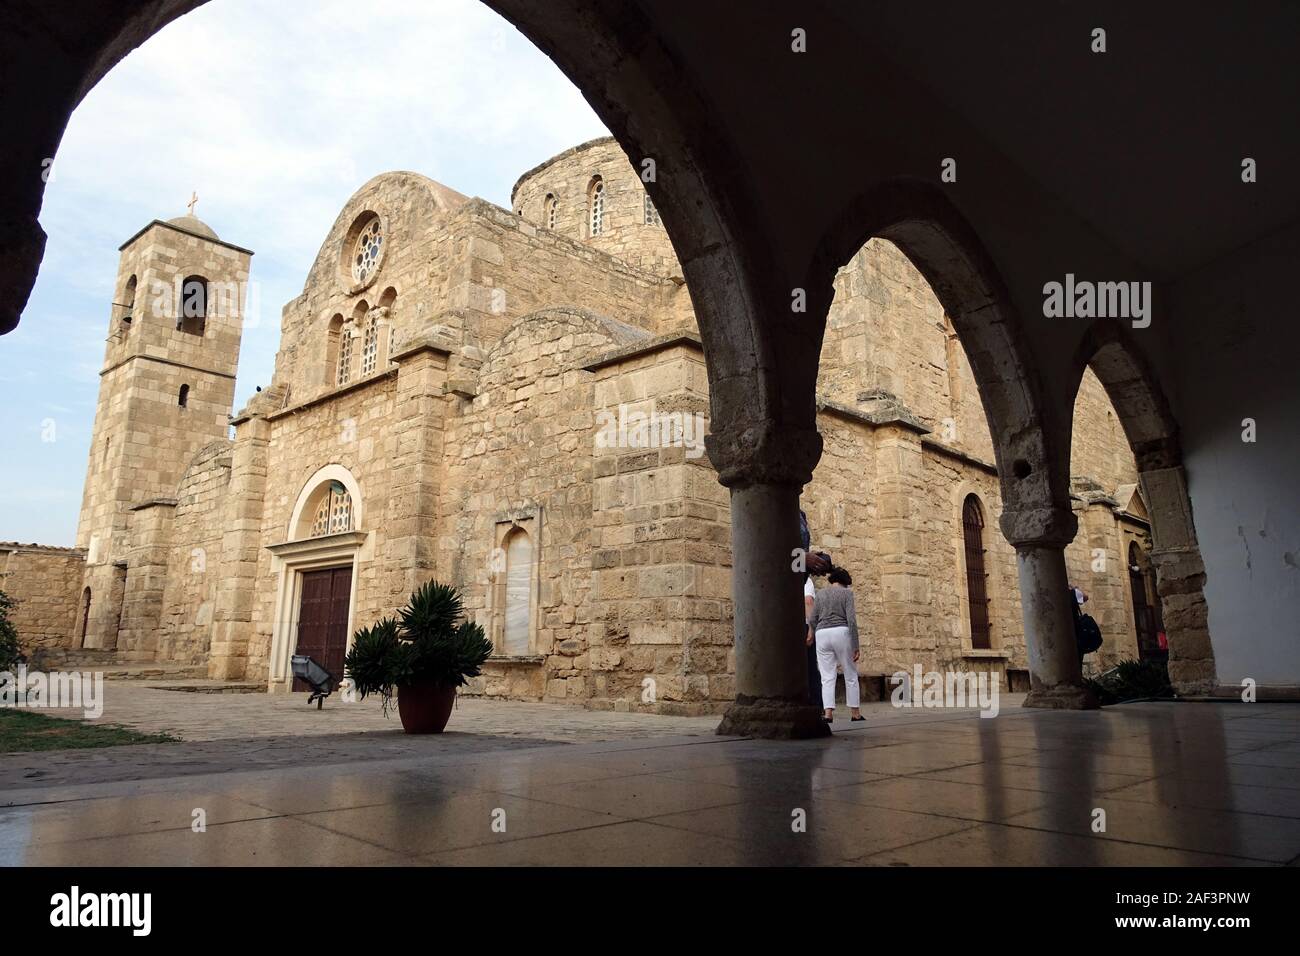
345,355
597,208
972,522
651,213
370,346
550,212
334,513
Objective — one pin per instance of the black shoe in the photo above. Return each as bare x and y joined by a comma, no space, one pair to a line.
857,718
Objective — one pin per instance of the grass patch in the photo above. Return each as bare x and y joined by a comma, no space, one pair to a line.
21,731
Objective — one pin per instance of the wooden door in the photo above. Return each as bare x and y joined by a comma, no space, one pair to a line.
323,619
1145,617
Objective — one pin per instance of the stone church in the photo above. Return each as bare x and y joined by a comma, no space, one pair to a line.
513,401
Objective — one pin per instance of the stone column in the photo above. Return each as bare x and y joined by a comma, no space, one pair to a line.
411,519
1040,537
1180,577
766,467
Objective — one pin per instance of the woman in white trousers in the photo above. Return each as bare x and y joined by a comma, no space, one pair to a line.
834,626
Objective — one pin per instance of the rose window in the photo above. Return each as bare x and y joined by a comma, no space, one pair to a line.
366,258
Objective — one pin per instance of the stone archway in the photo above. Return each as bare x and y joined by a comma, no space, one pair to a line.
1033,464
1152,432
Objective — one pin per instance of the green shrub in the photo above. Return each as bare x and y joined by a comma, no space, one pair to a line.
10,655
429,640
1132,680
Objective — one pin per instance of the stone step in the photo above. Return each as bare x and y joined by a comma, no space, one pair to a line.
211,687
146,671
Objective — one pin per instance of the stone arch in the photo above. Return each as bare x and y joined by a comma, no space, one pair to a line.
617,333
920,220
310,497
1152,431
1030,441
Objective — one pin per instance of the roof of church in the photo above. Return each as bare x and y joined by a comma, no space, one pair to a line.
192,223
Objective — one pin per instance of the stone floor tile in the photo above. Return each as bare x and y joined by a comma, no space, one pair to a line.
998,845
275,841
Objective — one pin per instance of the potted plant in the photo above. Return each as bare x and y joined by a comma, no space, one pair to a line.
422,655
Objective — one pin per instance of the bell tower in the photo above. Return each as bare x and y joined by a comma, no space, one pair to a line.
165,391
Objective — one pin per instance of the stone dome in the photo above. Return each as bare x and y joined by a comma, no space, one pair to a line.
192,223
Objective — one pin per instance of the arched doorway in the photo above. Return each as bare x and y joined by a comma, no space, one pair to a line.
1176,593
1147,622
316,570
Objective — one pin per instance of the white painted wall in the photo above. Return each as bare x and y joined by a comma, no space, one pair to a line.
1232,352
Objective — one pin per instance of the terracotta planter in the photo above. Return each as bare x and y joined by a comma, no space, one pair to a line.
425,707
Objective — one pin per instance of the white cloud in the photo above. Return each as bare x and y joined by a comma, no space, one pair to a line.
275,114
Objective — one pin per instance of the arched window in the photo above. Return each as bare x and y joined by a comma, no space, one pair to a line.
344,373
597,203
192,313
333,347
370,344
972,524
651,213
85,617
127,304
548,211
334,512
519,592
183,398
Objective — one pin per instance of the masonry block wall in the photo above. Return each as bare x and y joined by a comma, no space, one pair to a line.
519,455
461,390
46,584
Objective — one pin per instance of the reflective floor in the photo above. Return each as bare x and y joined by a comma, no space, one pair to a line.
1142,784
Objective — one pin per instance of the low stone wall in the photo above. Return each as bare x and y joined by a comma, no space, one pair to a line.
45,582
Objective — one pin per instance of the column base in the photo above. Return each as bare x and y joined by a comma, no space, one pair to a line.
773,718
1062,697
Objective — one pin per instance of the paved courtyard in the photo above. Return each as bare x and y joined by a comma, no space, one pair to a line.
1179,784
151,708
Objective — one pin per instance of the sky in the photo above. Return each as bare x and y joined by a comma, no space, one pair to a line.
274,114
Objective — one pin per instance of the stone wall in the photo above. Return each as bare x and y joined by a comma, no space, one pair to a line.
661,631
1099,449
194,558
45,583
352,430
568,179
519,454
887,336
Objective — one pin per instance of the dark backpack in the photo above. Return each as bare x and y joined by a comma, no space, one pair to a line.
1086,632
818,562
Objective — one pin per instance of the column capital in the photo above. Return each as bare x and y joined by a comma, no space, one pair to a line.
764,453
1039,527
